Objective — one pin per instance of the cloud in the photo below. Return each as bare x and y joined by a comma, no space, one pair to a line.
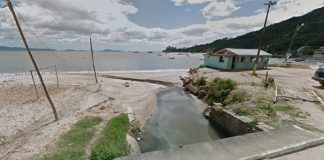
214,8
219,9
69,24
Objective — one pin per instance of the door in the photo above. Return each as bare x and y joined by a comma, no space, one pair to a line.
233,62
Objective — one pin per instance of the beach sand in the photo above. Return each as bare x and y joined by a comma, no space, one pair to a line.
27,126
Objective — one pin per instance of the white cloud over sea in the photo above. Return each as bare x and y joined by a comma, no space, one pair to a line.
65,24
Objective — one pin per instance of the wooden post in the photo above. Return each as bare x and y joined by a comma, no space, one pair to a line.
31,73
266,79
93,64
255,65
9,4
276,95
57,79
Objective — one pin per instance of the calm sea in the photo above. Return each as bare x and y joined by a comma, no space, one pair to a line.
19,62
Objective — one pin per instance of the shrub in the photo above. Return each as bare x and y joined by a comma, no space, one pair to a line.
219,89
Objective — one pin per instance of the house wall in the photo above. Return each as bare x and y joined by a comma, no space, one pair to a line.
213,62
248,64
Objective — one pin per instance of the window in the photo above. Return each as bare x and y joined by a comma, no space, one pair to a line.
242,59
221,59
251,59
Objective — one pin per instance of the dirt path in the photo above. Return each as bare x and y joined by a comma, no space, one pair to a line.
95,138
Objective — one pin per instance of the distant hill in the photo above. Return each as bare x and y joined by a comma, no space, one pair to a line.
111,50
277,39
4,48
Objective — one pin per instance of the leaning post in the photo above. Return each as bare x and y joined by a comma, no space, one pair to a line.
9,4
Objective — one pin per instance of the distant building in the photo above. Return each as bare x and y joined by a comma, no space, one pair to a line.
235,59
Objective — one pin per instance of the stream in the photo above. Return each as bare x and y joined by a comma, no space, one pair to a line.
177,121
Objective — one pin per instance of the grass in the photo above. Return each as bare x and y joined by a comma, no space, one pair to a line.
241,112
219,89
237,97
113,143
71,145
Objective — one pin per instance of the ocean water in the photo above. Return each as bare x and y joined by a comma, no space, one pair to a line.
75,61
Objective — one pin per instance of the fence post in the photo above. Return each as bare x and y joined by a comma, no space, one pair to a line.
57,79
31,73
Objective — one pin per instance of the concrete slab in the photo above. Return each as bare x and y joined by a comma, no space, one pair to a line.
316,153
269,144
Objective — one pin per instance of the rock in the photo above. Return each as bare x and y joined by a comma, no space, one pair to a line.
126,84
193,89
218,104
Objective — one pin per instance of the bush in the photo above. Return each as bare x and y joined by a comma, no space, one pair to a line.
113,143
219,89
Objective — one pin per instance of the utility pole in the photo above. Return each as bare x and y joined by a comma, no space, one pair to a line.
292,41
93,64
9,4
255,66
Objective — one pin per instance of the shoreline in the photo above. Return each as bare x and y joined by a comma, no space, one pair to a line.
23,117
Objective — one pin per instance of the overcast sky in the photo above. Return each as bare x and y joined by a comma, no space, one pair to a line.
140,24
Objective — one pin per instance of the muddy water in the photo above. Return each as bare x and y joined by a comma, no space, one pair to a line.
176,122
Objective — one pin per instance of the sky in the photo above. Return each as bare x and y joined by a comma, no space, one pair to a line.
141,25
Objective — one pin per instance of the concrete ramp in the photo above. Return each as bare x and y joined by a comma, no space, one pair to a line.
261,145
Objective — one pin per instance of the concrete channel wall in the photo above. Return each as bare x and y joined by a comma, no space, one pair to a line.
234,125
254,146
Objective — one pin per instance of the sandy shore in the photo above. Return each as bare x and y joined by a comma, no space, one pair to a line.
27,126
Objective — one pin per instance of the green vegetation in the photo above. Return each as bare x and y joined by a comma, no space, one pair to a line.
71,145
241,112
270,82
201,81
252,125
113,143
219,89
237,97
277,39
